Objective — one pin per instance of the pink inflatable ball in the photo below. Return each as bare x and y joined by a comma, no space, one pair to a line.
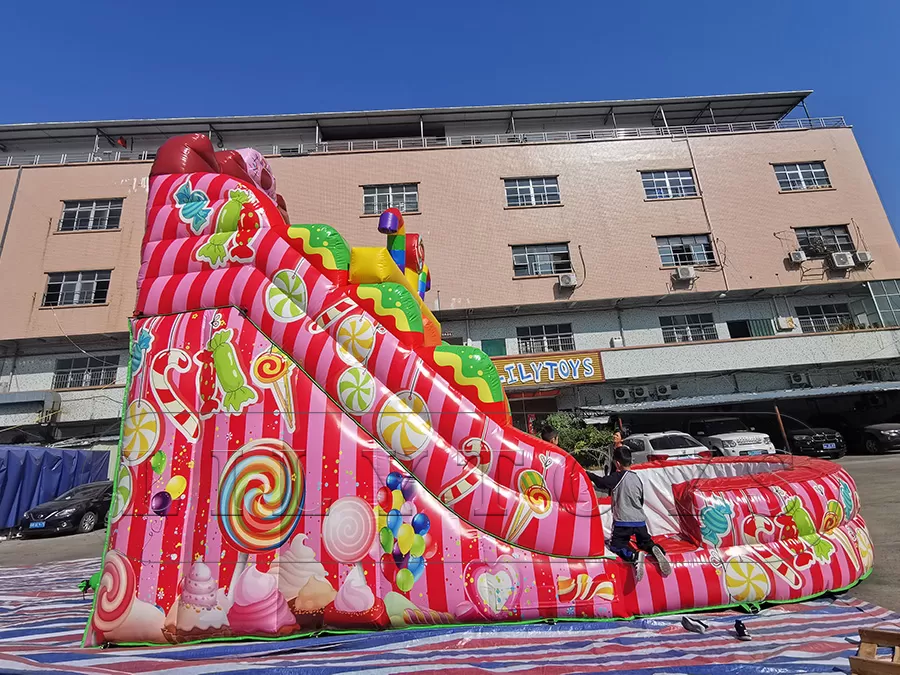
259,170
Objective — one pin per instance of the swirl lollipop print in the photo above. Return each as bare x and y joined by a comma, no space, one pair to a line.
122,497
356,390
403,431
286,297
116,593
261,495
356,334
140,433
272,369
349,530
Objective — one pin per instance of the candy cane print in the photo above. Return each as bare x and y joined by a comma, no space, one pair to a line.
166,394
752,526
477,449
838,535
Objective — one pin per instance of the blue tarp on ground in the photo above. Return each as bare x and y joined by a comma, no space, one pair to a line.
31,475
42,616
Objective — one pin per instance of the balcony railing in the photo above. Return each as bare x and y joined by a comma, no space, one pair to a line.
419,142
548,343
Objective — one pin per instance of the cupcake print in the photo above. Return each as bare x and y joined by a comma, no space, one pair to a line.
201,610
355,605
259,608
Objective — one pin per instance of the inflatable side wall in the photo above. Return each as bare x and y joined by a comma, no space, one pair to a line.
300,452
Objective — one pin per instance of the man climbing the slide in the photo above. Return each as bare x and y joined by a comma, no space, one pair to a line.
628,515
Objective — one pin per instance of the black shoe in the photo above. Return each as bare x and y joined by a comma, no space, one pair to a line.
639,566
694,625
665,567
741,631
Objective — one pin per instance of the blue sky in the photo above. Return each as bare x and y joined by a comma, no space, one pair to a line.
111,60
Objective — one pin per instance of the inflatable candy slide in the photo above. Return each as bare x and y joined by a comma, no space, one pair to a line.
300,452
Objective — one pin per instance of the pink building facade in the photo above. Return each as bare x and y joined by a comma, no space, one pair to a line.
696,251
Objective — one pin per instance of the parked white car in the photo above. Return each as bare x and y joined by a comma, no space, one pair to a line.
729,436
665,445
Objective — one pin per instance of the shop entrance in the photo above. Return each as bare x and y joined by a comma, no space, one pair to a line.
530,408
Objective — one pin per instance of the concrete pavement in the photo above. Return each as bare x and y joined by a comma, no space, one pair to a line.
877,479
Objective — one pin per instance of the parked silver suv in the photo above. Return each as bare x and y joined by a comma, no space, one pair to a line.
730,437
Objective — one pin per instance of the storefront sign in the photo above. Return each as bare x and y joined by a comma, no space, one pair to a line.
535,370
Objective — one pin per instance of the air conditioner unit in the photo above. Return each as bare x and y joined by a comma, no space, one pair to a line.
621,394
640,392
799,379
568,280
798,257
785,323
864,258
615,341
663,390
841,260
685,273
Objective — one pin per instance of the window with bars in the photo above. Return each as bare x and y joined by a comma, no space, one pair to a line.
695,249
402,196
688,328
820,241
76,288
554,337
802,176
532,191
824,318
668,184
92,214
85,371
533,260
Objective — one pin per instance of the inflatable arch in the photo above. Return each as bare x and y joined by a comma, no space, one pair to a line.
300,452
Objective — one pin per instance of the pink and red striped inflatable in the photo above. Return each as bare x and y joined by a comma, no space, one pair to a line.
289,463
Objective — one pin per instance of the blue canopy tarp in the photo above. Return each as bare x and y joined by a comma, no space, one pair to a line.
32,475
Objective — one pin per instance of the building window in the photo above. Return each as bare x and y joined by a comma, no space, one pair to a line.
685,250
824,318
85,371
668,184
803,176
554,337
76,288
495,347
820,241
887,299
534,260
532,191
746,328
96,214
688,328
378,198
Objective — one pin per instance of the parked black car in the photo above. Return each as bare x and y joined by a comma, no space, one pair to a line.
81,509
872,439
879,438
817,442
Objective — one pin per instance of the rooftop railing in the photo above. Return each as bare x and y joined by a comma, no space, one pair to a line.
418,142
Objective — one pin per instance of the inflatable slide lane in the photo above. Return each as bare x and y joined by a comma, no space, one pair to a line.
300,452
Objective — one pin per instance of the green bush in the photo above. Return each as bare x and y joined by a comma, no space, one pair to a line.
578,439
